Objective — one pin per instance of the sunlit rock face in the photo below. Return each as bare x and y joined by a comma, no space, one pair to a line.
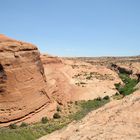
22,80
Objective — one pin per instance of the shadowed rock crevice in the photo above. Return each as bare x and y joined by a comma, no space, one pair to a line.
3,78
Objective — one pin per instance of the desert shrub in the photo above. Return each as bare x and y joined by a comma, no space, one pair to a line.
23,124
106,97
44,120
98,99
117,86
78,84
56,116
117,94
58,109
13,126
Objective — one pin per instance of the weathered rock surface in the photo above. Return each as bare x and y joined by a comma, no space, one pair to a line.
31,86
22,80
76,80
118,120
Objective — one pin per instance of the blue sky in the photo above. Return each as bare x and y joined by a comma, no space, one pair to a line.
74,27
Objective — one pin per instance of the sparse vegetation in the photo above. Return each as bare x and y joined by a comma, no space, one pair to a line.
87,106
117,85
81,84
34,131
128,88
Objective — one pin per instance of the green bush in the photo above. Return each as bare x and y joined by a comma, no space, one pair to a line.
44,120
56,116
23,124
13,126
118,85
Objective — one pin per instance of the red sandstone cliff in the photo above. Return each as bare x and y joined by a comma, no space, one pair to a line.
22,80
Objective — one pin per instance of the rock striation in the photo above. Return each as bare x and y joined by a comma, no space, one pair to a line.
22,80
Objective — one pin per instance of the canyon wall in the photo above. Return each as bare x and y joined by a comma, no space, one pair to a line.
22,80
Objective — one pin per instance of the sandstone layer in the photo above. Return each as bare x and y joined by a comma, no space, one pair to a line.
22,80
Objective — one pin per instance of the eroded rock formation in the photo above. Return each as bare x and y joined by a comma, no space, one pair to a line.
22,80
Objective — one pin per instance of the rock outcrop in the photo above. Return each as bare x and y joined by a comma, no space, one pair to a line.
118,120
22,80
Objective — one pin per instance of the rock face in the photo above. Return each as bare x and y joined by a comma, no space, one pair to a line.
118,120
22,80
